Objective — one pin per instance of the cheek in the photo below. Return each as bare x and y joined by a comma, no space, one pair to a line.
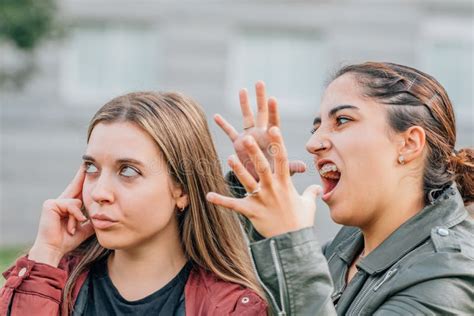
86,193
154,203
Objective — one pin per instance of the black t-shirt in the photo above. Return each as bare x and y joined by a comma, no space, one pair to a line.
104,298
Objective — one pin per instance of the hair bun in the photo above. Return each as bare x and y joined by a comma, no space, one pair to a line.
462,164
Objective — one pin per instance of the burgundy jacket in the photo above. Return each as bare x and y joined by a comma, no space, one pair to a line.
33,288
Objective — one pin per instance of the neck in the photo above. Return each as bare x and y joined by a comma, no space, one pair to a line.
152,264
407,202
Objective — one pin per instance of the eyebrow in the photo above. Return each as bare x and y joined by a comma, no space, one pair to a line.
334,110
118,161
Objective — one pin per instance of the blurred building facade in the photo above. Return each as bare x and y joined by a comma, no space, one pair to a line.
209,50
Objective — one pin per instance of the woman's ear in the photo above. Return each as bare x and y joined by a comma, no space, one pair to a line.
181,197
182,202
412,144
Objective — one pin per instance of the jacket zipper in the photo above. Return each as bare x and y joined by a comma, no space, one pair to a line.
362,295
280,277
335,298
265,288
337,295
386,277
359,301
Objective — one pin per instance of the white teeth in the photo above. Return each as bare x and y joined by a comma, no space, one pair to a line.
327,168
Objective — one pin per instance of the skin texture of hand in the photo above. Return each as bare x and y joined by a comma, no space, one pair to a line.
277,207
267,116
63,227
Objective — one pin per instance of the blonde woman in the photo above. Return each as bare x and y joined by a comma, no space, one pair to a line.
133,232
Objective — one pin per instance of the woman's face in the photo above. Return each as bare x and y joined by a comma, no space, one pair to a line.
127,191
358,159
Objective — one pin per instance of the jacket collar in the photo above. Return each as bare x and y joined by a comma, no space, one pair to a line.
446,211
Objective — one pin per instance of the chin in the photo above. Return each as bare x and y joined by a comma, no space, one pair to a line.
109,242
341,215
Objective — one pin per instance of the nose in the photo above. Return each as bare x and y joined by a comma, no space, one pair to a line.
101,192
317,144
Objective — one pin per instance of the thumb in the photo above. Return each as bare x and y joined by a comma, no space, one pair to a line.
297,166
312,192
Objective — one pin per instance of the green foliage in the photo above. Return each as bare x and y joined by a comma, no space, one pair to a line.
26,22
8,256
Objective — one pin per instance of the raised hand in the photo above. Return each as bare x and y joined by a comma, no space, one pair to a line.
62,226
267,116
272,205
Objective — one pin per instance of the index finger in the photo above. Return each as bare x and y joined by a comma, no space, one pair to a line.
226,127
74,189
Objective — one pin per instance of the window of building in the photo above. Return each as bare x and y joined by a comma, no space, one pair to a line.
102,61
447,53
292,64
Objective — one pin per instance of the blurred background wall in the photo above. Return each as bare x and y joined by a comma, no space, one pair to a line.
208,50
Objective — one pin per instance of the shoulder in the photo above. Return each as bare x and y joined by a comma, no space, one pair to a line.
455,239
449,251
439,281
205,291
444,262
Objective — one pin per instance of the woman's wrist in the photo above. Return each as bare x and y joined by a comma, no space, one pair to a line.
46,255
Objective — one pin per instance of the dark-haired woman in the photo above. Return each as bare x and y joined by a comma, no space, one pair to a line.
384,145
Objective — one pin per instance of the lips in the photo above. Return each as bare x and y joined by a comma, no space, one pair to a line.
102,221
330,176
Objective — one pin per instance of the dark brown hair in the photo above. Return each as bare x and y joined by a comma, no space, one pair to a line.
416,98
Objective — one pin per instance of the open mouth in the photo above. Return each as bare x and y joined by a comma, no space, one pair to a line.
330,176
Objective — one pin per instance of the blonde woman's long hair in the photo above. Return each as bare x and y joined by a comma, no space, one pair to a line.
211,236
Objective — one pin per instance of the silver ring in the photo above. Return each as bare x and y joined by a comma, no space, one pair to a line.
254,192
321,145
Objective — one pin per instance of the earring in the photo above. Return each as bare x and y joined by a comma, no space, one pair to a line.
401,160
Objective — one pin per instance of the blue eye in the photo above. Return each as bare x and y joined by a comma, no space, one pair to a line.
128,171
342,120
90,168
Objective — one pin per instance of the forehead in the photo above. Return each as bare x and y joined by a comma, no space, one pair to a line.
346,90
121,139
